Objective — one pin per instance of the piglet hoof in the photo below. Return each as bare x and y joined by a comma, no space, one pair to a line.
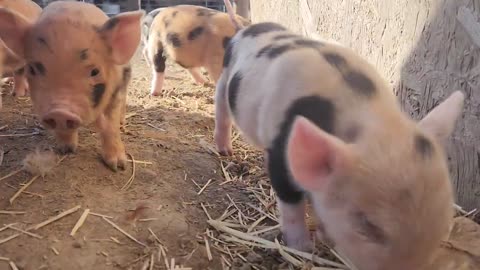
226,152
115,162
67,149
299,242
224,148
208,84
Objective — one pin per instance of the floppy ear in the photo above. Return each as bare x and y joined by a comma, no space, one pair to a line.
440,122
13,29
123,33
313,155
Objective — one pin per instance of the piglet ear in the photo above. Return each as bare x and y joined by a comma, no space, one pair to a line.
123,33
440,122
13,29
313,155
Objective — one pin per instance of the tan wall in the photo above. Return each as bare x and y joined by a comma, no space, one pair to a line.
419,46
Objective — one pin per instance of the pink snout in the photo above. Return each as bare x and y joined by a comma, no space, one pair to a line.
61,119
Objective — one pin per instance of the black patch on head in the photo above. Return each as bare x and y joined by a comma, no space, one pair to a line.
159,61
279,50
20,71
360,82
84,54
264,50
205,12
371,231
98,90
195,33
225,42
308,43
110,24
336,61
233,87
260,28
423,146
174,39
284,36
355,80
40,68
228,53
321,112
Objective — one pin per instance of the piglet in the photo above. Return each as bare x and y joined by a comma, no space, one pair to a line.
78,69
333,131
11,63
192,36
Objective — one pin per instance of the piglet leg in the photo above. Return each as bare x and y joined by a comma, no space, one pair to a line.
294,227
20,83
197,76
113,149
223,120
159,66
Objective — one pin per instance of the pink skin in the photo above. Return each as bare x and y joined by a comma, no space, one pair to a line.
197,76
157,83
294,227
223,120
21,85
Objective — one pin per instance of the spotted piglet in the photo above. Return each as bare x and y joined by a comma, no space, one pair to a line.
332,130
193,37
10,63
78,69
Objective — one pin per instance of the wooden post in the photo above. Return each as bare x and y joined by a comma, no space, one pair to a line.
243,8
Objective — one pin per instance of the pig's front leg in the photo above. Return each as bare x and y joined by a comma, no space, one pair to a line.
223,120
20,88
113,149
293,225
197,76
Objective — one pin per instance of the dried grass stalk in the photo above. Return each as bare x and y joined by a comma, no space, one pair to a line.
80,222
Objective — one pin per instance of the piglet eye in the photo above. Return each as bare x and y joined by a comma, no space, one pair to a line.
31,69
94,72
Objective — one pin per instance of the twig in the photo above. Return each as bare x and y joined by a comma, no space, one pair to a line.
130,180
5,212
21,134
55,251
205,210
152,261
204,187
12,265
80,222
10,174
100,215
140,162
219,226
23,188
124,232
22,231
207,246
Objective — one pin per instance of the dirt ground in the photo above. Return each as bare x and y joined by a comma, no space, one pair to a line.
171,135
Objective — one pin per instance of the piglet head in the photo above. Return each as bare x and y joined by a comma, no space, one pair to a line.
386,205
73,62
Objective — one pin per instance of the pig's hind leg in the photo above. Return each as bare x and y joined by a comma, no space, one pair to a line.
223,120
197,76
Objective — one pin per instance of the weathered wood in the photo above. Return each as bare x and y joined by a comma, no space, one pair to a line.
243,8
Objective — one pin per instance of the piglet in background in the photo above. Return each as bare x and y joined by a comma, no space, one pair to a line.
12,64
333,131
192,36
78,69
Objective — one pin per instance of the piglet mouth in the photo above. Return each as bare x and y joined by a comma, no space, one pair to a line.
61,119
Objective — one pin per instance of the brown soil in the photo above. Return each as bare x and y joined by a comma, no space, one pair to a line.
170,132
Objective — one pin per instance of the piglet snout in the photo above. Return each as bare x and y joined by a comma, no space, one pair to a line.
60,119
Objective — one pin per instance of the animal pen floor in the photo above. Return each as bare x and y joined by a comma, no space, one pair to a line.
153,215
175,182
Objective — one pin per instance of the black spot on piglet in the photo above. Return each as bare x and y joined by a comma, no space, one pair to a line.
423,146
233,88
260,28
174,39
195,33
40,68
98,90
321,112
225,42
